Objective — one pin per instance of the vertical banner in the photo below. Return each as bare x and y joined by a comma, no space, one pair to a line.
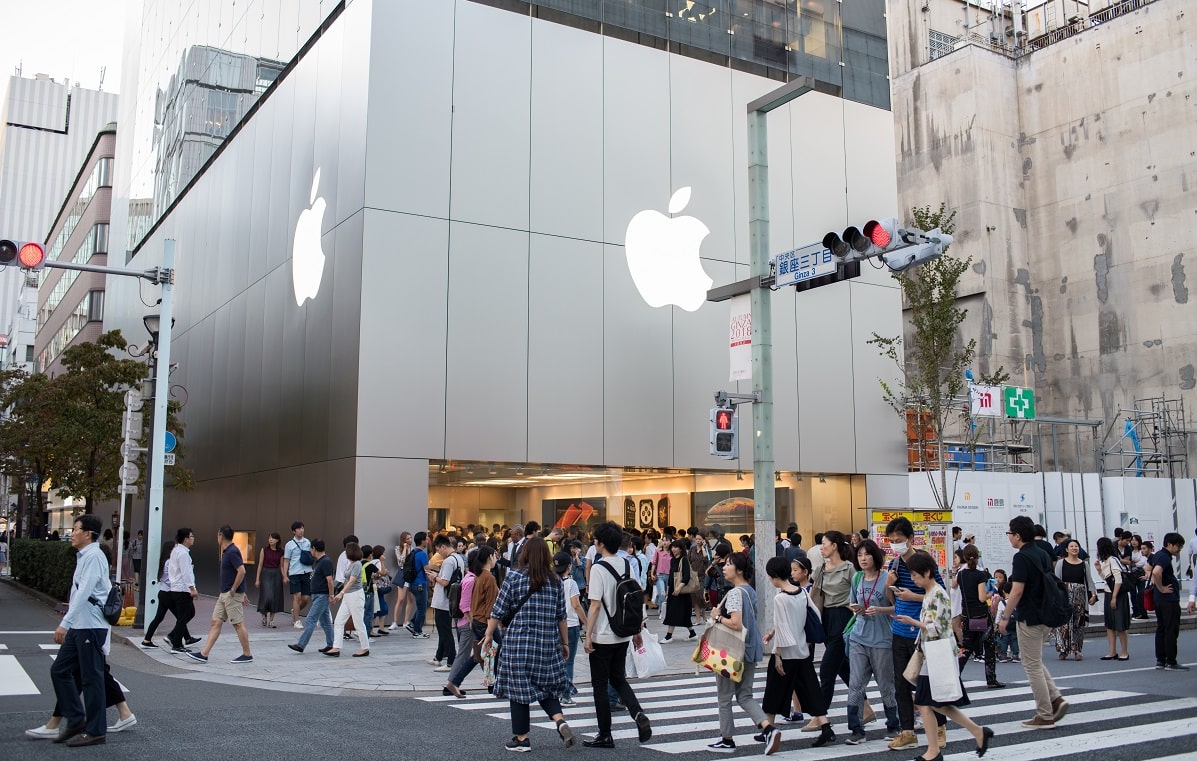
740,337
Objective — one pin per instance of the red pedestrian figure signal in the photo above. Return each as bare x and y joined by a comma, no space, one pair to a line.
724,433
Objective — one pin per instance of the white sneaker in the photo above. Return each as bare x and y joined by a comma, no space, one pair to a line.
42,733
443,668
393,627
123,724
435,662
298,623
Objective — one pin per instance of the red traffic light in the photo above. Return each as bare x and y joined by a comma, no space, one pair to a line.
876,232
723,420
31,256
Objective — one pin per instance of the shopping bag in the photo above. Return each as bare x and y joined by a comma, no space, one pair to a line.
721,650
943,669
649,658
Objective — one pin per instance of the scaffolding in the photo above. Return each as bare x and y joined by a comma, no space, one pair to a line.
1148,440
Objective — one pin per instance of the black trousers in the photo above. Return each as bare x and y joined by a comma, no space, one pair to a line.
607,667
166,604
1167,630
835,652
903,650
184,610
983,644
446,642
79,667
521,719
799,679
112,690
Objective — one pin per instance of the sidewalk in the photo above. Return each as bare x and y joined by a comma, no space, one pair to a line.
397,663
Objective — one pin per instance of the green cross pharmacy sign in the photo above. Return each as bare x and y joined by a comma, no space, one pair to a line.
1020,402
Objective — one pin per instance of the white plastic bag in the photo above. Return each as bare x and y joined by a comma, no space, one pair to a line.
943,671
649,658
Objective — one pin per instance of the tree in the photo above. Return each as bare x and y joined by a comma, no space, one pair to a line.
935,355
68,429
29,436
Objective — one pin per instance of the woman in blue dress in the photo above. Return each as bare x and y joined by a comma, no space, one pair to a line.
531,663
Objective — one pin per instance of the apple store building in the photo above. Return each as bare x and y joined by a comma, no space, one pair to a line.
445,262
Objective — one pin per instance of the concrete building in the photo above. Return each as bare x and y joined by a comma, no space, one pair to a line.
406,293
46,131
70,304
1068,147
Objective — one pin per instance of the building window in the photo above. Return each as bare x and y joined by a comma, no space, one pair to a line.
941,44
95,308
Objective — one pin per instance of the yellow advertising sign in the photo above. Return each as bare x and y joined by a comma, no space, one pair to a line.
914,516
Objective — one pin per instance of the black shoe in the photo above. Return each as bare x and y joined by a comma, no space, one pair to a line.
296,648
192,640
986,734
83,739
325,649
67,732
826,736
599,741
794,718
178,649
938,757
567,734
517,745
723,745
148,643
644,729
995,685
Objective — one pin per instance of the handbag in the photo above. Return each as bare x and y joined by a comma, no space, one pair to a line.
1149,598
915,667
943,670
649,658
689,587
978,624
721,650
813,627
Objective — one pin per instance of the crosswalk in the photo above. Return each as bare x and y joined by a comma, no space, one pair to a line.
16,663
684,716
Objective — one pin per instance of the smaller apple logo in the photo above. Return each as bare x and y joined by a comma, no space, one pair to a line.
663,256
307,256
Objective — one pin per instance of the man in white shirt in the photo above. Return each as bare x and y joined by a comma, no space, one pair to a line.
182,583
451,564
83,635
608,651
298,573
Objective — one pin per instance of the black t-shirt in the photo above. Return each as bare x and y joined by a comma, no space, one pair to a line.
968,581
320,573
1163,559
1072,573
1030,563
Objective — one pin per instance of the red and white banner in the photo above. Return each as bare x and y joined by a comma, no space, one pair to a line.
740,338
986,401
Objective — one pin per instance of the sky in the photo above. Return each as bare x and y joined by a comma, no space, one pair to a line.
69,39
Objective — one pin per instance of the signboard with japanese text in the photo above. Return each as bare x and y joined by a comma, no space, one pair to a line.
804,263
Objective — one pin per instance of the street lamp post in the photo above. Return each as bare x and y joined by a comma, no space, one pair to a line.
31,498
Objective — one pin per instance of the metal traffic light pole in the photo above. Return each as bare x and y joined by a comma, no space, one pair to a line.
165,277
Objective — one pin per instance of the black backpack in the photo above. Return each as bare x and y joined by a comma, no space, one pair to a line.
455,610
628,617
1055,610
409,567
112,605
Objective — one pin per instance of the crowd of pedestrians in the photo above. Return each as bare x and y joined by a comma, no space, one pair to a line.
521,604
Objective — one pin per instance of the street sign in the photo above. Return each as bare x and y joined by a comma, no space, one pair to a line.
127,488
986,400
792,267
168,442
129,450
1020,403
129,473
168,459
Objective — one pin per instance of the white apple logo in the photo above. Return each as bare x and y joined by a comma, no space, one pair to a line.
663,256
307,256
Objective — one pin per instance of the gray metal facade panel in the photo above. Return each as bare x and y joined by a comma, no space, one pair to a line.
486,365
404,301
565,350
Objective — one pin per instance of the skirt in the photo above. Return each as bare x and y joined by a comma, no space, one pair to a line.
1117,614
270,596
922,695
677,611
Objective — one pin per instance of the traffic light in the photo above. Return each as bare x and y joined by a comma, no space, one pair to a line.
873,239
725,424
918,247
29,256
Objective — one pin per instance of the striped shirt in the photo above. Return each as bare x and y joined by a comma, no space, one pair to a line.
906,607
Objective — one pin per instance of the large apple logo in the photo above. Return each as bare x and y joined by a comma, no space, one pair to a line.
307,257
663,256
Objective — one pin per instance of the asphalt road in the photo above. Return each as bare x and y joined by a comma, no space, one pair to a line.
1130,713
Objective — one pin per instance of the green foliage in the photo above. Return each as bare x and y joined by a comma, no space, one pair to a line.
933,361
68,429
45,566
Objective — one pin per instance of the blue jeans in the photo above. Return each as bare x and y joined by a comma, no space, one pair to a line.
661,592
420,593
368,617
317,615
1007,644
82,651
575,633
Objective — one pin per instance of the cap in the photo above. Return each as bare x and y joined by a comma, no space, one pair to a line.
561,562
968,536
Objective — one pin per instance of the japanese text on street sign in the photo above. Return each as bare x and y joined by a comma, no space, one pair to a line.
803,264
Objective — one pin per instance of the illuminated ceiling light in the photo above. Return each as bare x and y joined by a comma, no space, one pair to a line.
777,475
470,468
822,478
492,468
443,468
739,475
519,471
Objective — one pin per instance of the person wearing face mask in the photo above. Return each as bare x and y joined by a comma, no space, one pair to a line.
908,603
